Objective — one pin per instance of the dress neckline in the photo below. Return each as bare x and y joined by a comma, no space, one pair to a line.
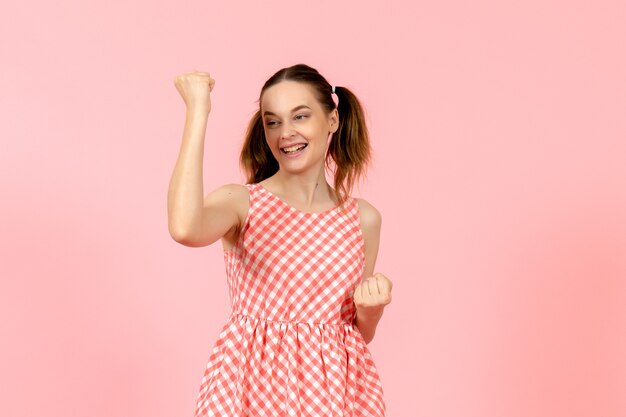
308,213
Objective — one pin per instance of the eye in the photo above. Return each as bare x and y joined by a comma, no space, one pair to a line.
303,116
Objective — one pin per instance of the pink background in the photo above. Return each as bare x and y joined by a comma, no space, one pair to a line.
500,170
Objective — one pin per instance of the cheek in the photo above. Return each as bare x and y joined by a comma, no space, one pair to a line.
272,140
269,136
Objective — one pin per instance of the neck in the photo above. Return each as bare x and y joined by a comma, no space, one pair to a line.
310,190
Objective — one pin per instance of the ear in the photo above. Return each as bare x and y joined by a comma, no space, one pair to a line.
333,120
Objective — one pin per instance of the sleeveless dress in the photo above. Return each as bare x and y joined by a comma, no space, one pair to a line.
290,347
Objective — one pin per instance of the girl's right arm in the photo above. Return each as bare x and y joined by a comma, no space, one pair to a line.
192,219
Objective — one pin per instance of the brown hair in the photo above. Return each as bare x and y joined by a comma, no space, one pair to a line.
349,148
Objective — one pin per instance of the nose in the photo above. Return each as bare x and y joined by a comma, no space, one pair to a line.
287,131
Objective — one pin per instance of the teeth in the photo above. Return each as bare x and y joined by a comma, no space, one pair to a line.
294,148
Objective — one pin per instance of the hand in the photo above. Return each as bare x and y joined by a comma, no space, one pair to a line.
372,294
195,88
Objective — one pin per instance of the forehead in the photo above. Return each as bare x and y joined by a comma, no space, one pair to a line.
285,95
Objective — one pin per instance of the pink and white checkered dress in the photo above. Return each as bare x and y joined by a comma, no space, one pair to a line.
289,347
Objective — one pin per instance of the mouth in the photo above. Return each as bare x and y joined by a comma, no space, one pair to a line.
294,149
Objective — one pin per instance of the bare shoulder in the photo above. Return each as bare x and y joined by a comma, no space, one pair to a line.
228,193
233,196
236,190
371,218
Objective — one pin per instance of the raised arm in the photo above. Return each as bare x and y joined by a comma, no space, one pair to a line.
194,220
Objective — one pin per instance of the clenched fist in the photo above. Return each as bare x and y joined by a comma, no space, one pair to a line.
372,294
195,88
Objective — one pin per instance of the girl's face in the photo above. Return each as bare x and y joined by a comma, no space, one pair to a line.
292,116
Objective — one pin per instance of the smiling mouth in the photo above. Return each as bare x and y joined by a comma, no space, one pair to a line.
294,148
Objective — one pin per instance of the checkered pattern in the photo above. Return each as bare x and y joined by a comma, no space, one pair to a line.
289,347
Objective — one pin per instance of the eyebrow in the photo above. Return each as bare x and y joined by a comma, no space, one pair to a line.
302,106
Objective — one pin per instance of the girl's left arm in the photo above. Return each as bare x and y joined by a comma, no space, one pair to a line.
373,293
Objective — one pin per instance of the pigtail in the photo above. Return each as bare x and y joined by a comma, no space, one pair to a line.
256,157
349,149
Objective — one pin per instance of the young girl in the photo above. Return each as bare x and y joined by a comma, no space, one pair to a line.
299,254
